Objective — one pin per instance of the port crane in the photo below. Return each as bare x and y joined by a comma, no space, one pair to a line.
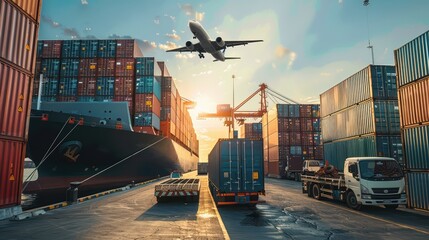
234,114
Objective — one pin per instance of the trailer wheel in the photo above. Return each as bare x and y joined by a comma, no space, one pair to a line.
309,192
302,188
316,191
392,207
352,201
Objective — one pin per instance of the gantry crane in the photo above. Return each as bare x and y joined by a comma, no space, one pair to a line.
235,115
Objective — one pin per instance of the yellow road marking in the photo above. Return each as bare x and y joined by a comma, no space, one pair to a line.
222,226
376,218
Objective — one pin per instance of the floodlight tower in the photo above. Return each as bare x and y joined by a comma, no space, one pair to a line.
366,4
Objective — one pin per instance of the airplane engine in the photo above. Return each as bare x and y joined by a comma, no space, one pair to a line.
220,42
189,45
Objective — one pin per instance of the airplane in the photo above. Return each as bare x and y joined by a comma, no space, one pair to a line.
215,48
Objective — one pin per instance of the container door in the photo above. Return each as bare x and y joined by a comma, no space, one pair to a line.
252,166
230,166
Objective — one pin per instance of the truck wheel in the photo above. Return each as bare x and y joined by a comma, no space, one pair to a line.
394,206
352,201
316,191
309,192
302,188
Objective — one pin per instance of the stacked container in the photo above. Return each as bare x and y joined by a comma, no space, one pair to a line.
19,23
176,122
252,131
101,70
290,131
360,117
413,89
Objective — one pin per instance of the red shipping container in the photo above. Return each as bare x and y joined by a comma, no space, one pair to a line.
51,49
305,111
414,103
14,102
127,48
124,67
106,67
31,7
145,129
17,36
273,169
306,124
88,67
318,152
165,128
86,86
147,102
12,158
124,86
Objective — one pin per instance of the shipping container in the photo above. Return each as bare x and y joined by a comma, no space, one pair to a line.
418,189
148,84
147,103
202,168
127,48
235,171
86,86
412,61
30,7
366,146
374,81
106,67
223,109
416,145
14,100
147,67
51,49
164,70
251,131
414,103
70,49
18,33
50,67
124,86
106,48
142,119
12,158
69,67
68,86
124,67
105,86
88,48
88,67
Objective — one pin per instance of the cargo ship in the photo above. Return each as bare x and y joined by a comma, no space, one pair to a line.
107,117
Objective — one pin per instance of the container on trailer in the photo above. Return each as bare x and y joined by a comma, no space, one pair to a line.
236,171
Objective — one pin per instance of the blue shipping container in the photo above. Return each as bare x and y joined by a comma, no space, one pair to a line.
145,119
416,145
50,67
70,49
88,48
236,165
68,86
70,67
106,48
418,189
105,86
145,66
148,84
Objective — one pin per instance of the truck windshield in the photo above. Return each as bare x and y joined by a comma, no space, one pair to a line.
380,170
314,164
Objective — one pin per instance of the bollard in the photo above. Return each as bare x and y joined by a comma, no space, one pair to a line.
72,192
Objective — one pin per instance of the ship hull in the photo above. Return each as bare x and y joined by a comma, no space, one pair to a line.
98,157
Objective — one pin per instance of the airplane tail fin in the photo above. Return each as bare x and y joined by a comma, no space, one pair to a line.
227,58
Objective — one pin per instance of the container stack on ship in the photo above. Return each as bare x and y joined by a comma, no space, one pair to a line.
291,134
360,116
413,86
251,131
108,98
19,24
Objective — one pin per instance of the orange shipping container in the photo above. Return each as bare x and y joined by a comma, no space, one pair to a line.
414,103
12,156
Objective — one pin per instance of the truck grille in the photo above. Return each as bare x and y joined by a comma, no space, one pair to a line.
395,196
382,190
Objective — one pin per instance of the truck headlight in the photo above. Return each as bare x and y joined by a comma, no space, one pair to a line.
366,196
403,195
364,189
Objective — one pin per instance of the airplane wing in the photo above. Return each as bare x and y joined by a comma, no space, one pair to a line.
197,48
234,43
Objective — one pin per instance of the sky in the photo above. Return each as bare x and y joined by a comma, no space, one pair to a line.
309,45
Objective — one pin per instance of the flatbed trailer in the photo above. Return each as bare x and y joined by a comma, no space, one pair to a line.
188,188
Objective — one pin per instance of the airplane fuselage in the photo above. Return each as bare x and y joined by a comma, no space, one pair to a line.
205,41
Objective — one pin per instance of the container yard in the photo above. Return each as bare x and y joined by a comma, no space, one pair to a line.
102,131
291,134
413,82
360,116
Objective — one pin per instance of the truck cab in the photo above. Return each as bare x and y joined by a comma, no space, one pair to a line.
374,181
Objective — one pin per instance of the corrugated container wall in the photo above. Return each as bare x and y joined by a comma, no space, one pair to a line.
290,130
251,131
236,165
412,65
19,22
361,116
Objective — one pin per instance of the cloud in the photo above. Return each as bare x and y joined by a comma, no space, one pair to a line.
325,74
199,16
229,67
340,1
156,20
84,2
173,35
202,73
91,37
169,45
173,18
282,52
188,9
185,55
51,22
72,32
145,45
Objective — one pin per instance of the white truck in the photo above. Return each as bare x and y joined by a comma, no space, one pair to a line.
365,181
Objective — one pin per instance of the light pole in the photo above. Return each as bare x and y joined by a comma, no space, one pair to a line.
233,105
